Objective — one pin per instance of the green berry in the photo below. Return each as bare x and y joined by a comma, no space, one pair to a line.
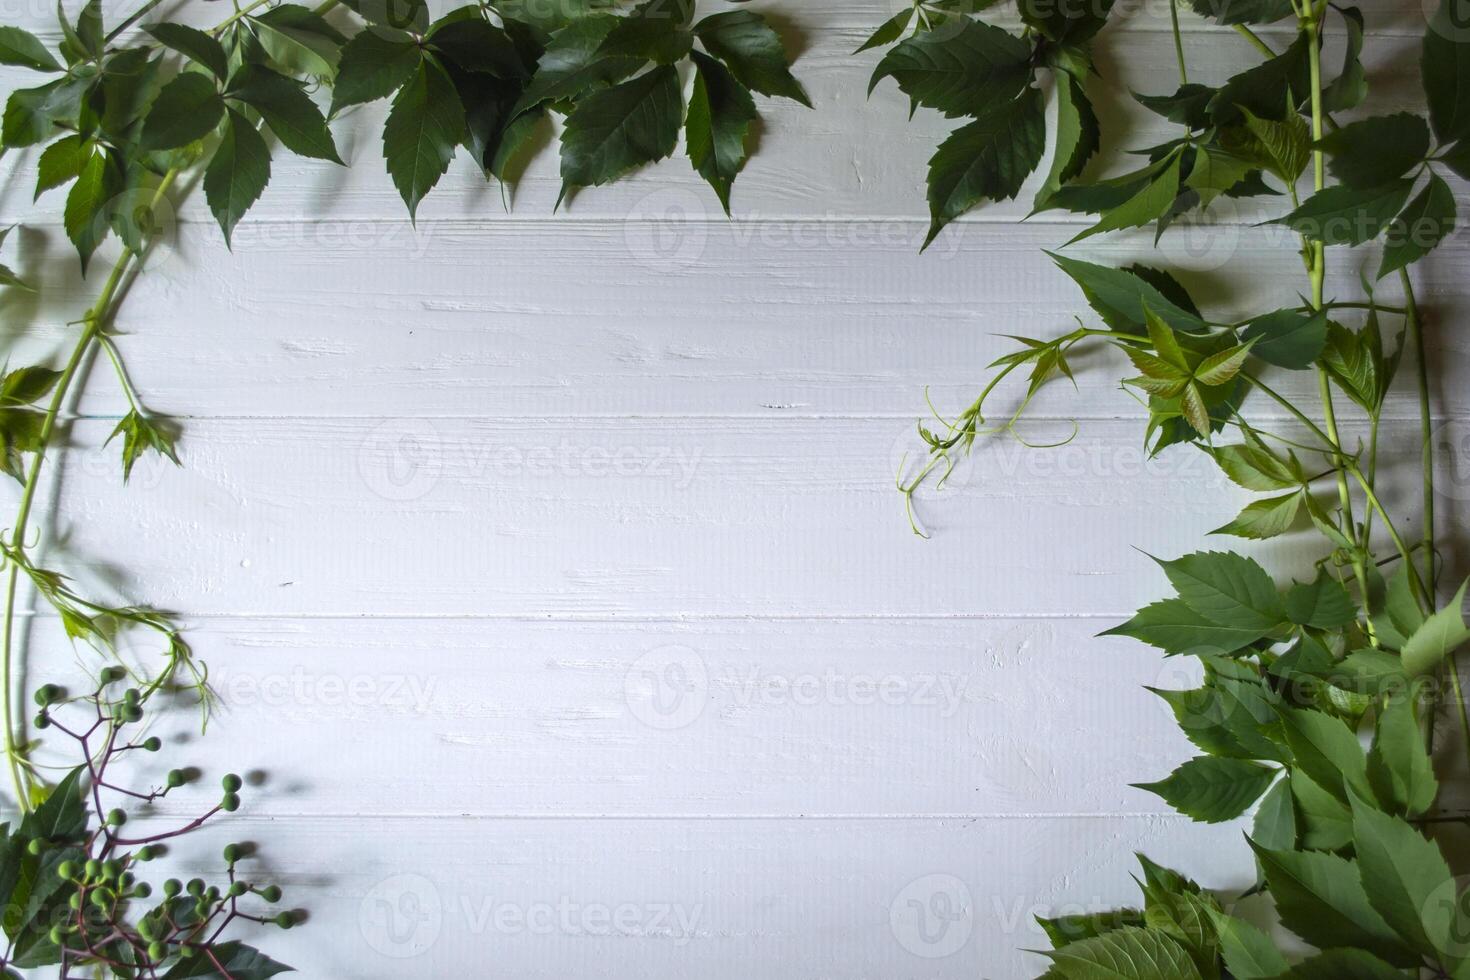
195,887
99,897
153,744
172,887
142,889
35,847
93,867
111,870
176,778
231,783
146,853
47,693
75,901
237,889
157,951
67,870
270,893
116,818
110,674
230,803
58,936
285,920
233,853
43,720
131,695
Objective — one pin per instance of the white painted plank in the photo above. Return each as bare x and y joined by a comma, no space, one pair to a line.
852,156
784,898
609,319
651,517
738,717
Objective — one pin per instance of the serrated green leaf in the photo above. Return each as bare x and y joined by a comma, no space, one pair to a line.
988,159
1274,825
1445,68
571,64
1288,338
1267,89
1120,295
891,30
1248,952
1402,874
614,130
1263,519
187,108
1375,151
87,203
374,64
1078,138
1172,626
1420,227
1069,929
240,962
1344,964
1349,89
22,49
649,32
299,42
1125,954
237,173
752,51
1322,603
969,70
424,126
1344,215
1327,823
1399,768
287,110
718,123
1327,750
1151,202
1211,789
1254,468
195,45
1441,633
61,162
1226,588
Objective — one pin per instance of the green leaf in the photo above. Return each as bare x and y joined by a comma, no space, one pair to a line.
1396,615
1248,952
1267,89
375,63
1320,897
1283,147
1125,954
1344,964
413,15
1222,367
188,108
1349,89
63,815
1370,672
1229,12
476,45
1441,633
240,962
1374,151
237,173
1226,719
82,41
720,113
648,33
1327,750
1186,106
1227,588
1172,626
300,42
1263,519
1069,929
1210,789
27,385
195,45
61,162
32,114
1399,768
752,51
1427,221
1288,338
1402,872
614,130
890,31
1150,203
1344,215
1078,137
1446,72
22,49
1254,467
87,203
139,436
1322,603
287,110
1215,172
1120,295
968,70
572,65
1274,825
423,128
1327,823
988,159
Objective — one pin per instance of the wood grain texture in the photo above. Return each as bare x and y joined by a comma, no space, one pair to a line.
551,568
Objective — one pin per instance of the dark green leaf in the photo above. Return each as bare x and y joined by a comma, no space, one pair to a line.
237,173
195,45
300,42
1376,150
61,162
969,70
374,65
1327,823
188,108
1078,138
1427,221
648,33
27,385
1172,626
891,30
63,815
1349,89
287,110
1288,338
1120,295
1210,789
1242,11
87,204
1226,588
477,45
987,159
32,114
571,64
720,113
1074,928
424,126
1446,71
617,129
1274,825
1344,964
1131,953
752,50
240,962
1348,215
1267,89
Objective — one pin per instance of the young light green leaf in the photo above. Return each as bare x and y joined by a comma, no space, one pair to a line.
1399,767
1254,468
968,70
188,108
1263,519
720,113
1130,952
140,434
617,129
22,49
237,173
424,126
988,159
1174,627
1150,203
27,385
1210,789
752,51
1441,633
1420,227
1221,368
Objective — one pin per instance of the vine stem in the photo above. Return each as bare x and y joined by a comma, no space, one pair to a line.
1178,42
93,323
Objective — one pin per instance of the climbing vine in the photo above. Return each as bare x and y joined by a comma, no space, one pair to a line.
125,116
1320,704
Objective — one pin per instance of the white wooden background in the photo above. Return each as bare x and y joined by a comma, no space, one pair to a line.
554,580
